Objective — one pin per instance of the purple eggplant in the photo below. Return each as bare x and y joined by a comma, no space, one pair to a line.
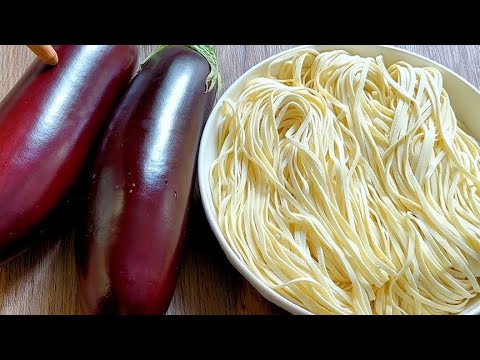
48,123
142,184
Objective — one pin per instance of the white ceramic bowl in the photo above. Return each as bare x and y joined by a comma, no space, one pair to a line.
465,100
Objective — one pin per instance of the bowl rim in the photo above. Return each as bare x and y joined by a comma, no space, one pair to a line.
204,185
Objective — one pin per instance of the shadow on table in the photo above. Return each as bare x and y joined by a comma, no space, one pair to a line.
33,281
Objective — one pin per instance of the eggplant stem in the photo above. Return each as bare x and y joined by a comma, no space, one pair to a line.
214,79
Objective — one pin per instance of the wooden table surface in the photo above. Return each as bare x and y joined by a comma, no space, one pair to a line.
44,281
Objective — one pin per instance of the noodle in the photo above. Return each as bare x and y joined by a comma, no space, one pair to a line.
349,188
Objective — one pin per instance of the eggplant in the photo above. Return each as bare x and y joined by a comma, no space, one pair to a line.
48,122
142,184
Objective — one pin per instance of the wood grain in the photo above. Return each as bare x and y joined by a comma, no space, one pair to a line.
44,281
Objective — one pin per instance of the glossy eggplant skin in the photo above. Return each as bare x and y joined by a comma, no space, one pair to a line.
142,185
48,123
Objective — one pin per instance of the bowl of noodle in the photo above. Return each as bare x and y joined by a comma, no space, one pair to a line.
346,180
